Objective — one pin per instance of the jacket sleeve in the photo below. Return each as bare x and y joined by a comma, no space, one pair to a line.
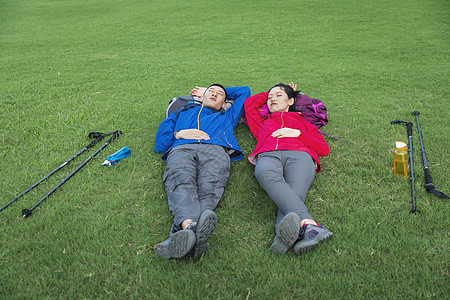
164,136
314,140
239,94
252,105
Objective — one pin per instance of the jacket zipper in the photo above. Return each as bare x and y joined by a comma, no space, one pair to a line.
282,125
226,140
198,119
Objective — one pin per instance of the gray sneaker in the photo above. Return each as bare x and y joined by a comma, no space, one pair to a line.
204,230
311,235
178,245
288,231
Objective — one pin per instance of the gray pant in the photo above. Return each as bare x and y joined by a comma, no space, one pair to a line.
195,178
286,176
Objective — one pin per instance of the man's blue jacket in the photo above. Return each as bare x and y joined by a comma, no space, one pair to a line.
219,125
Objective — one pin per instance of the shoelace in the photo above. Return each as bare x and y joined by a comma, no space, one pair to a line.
301,234
192,226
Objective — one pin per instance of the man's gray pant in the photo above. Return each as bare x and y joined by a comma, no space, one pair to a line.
286,176
195,178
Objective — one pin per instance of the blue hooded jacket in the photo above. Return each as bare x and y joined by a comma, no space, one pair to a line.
219,125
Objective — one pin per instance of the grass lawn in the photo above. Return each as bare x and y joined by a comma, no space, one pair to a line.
71,67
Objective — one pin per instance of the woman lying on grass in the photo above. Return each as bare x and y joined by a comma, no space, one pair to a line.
286,158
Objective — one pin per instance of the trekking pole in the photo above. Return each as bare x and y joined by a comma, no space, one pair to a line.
27,212
98,137
409,129
428,182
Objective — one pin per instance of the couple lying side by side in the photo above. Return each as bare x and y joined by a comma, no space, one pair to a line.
198,144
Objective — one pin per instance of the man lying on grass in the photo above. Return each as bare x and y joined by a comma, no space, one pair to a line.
198,143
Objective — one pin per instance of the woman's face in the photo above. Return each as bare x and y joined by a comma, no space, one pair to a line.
278,100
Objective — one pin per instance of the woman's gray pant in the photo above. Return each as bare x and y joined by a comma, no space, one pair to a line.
195,178
286,176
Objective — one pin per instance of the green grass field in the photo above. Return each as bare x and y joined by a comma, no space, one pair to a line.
71,67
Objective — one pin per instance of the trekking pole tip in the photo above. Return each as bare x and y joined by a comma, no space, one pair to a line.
416,113
26,212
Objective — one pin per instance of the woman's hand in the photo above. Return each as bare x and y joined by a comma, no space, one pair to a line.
293,86
286,132
198,91
191,134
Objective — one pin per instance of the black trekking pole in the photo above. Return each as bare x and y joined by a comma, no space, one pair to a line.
98,136
428,182
409,129
27,212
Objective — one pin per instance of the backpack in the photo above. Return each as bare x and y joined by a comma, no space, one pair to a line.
182,101
313,110
179,102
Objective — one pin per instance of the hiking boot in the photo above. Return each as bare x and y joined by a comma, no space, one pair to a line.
288,231
178,245
203,230
310,236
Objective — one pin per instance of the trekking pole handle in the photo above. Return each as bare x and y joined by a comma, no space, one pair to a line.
98,139
94,135
428,182
398,121
98,136
408,125
114,135
409,128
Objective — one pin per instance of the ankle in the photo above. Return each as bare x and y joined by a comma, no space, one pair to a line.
186,223
308,222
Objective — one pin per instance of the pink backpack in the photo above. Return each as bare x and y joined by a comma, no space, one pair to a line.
313,110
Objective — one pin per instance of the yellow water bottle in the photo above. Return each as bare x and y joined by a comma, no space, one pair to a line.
401,159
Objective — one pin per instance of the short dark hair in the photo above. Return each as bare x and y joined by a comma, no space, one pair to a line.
221,86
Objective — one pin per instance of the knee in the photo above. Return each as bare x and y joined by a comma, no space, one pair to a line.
178,176
263,174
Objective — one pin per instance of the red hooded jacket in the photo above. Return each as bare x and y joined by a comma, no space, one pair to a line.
262,127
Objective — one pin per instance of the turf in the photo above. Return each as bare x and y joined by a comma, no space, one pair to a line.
72,67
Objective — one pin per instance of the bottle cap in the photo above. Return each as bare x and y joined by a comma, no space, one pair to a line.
401,146
107,163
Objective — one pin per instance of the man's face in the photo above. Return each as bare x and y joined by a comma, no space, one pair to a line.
214,97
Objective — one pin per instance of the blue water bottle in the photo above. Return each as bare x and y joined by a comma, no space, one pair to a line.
116,157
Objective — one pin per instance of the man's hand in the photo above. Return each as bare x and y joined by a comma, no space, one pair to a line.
198,91
192,134
286,132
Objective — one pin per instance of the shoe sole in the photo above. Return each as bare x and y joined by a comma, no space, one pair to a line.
288,231
312,244
179,245
289,228
279,246
205,228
